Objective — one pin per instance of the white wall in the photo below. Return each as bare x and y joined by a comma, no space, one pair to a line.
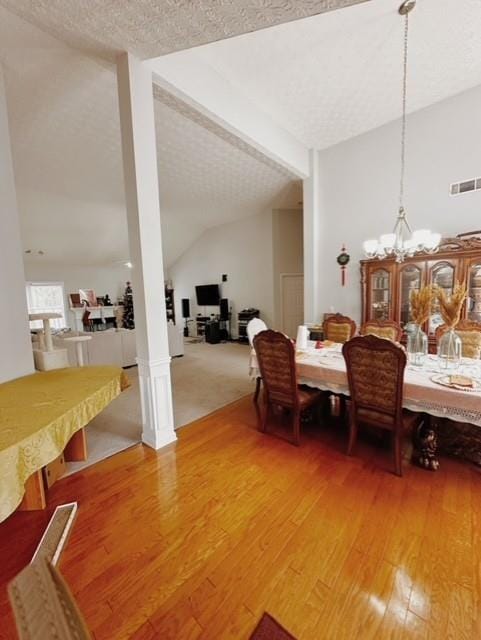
15,346
86,231
360,182
102,279
241,249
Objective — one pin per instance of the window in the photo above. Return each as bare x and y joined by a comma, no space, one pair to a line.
46,297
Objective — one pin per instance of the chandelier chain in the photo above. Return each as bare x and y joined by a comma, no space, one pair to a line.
399,244
404,105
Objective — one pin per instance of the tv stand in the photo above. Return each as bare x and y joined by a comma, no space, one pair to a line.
200,322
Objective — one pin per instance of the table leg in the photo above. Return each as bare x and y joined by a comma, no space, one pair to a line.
76,449
34,497
258,388
426,444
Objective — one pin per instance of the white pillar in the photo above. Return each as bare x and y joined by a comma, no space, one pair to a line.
16,356
312,221
137,123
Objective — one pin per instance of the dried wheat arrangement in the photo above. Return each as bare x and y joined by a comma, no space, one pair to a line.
450,306
421,302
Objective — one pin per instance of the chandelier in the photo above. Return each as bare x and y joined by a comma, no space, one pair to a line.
402,242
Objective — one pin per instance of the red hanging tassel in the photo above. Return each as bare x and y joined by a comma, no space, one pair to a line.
342,260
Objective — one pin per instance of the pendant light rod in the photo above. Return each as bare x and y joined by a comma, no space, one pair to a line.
398,244
404,103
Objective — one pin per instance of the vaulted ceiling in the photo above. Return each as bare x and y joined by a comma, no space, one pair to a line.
324,78
65,133
334,76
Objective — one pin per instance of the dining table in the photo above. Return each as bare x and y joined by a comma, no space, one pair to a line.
40,414
324,367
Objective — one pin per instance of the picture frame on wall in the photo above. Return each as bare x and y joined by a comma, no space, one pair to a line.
88,296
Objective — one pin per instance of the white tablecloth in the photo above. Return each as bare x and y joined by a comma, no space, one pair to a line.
326,369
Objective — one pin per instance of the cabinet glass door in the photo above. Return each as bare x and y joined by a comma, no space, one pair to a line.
380,287
442,275
474,292
410,278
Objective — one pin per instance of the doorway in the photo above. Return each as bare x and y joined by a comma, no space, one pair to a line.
292,302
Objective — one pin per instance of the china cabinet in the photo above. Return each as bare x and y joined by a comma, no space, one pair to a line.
386,285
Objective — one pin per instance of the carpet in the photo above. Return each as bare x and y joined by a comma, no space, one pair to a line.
206,378
270,629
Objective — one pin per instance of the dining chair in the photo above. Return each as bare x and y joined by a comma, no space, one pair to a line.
382,329
470,334
375,372
338,328
277,363
87,322
255,326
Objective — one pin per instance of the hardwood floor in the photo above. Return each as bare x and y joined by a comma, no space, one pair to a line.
196,541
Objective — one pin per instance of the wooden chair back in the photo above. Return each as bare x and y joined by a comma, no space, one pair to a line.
339,328
470,334
375,371
382,329
277,363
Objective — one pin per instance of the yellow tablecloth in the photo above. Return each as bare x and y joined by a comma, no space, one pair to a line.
40,413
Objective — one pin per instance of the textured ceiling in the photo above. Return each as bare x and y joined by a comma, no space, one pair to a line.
331,77
325,79
150,28
66,145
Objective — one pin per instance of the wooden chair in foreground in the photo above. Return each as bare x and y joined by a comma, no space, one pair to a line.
382,329
470,334
339,328
277,363
255,326
375,371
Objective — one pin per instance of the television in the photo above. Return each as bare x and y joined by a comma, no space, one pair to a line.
207,295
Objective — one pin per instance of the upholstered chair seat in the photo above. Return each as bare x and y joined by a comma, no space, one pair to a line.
378,419
276,358
375,371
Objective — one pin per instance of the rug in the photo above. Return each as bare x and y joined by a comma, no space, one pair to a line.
270,629
206,378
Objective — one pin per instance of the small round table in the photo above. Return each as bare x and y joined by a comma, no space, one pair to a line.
78,347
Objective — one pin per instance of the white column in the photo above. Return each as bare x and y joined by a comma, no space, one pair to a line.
16,356
137,123
312,220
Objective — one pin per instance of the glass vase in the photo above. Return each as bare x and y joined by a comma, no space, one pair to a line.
417,346
449,351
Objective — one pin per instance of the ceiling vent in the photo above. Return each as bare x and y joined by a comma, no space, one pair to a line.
458,188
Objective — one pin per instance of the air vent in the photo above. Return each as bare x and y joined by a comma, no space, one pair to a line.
458,188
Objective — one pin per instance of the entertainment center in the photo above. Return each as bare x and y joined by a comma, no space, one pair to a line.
216,327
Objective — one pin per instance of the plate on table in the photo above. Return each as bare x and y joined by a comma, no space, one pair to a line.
444,379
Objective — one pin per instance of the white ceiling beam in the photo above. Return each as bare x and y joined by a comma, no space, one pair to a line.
201,88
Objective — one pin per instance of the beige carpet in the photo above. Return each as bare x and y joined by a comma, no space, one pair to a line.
206,378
